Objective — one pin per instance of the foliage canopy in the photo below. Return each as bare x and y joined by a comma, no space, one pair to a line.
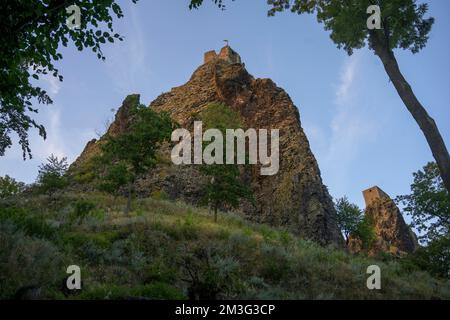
32,34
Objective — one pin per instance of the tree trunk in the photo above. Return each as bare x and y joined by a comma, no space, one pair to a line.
425,122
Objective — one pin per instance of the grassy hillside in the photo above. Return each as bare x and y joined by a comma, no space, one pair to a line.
169,250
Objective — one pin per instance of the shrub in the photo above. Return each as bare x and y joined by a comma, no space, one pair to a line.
275,263
10,187
366,233
160,195
29,223
116,177
26,262
82,209
268,233
159,271
434,258
209,275
188,228
52,175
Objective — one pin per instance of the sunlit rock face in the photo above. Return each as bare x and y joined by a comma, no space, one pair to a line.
295,197
392,234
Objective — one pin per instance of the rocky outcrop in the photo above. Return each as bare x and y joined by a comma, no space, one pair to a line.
295,197
82,167
392,234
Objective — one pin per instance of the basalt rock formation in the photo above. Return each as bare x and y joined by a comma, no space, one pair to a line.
295,197
392,234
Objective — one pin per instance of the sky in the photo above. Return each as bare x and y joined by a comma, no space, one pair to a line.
359,130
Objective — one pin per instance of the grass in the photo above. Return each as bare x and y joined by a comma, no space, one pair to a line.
170,250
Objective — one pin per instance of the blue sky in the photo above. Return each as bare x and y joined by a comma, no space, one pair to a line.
359,130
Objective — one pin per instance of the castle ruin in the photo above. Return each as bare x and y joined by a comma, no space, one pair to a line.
373,194
226,53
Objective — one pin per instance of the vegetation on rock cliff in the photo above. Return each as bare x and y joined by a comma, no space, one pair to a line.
225,187
132,153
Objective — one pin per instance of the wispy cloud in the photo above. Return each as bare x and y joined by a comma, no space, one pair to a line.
347,125
347,78
54,143
350,127
53,84
51,118
127,60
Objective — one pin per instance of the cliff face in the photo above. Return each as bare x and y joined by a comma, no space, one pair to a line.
392,234
295,197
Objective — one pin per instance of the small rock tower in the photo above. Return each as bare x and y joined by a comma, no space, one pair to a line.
392,234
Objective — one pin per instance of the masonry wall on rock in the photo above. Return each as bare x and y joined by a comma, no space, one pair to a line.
373,194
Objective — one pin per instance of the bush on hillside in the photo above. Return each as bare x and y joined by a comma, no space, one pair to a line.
10,187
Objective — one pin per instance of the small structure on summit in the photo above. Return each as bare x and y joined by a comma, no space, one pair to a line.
226,53
372,194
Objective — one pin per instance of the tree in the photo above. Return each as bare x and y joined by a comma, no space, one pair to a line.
404,26
365,232
10,187
132,153
52,175
32,34
354,223
116,177
225,186
349,216
434,258
428,205
197,3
